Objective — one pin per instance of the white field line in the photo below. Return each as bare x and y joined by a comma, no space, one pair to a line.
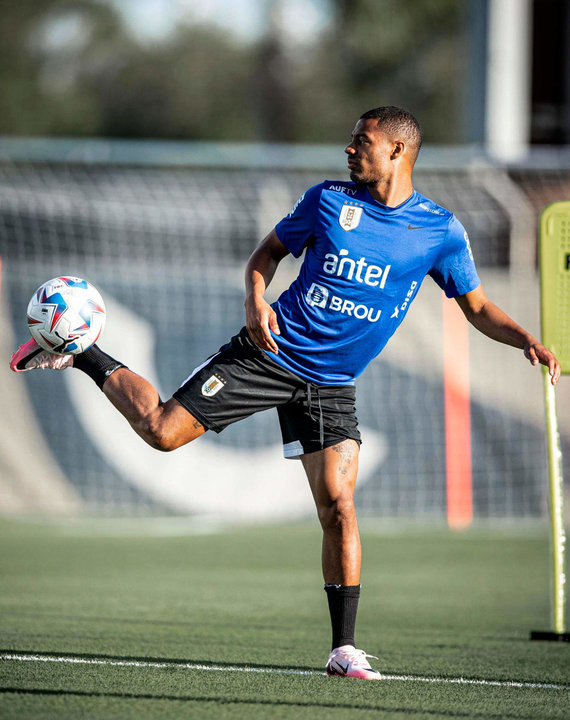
270,671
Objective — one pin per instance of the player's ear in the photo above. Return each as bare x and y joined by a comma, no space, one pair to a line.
398,149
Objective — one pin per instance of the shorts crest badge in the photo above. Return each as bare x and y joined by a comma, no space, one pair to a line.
213,385
349,217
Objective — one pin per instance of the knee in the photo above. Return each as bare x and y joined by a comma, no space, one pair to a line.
158,434
168,427
337,515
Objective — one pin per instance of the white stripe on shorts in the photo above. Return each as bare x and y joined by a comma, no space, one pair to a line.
209,360
292,450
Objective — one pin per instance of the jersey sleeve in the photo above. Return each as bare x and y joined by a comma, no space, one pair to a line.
454,271
296,229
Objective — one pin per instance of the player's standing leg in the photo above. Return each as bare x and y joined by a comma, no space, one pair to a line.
332,477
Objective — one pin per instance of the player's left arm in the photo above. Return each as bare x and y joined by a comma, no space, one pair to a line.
489,319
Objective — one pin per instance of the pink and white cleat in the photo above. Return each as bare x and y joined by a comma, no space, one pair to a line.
347,661
33,357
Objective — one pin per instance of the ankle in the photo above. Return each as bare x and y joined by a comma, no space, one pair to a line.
97,364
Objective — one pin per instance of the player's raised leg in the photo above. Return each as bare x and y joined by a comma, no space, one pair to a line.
332,477
163,425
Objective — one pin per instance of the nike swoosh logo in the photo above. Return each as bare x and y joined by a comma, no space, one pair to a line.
414,227
22,363
344,669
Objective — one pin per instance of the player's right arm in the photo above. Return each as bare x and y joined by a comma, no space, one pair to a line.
260,317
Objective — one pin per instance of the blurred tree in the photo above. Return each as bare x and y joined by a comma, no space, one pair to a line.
193,86
70,67
271,92
386,52
44,44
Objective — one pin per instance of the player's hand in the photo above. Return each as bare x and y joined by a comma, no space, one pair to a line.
261,321
537,353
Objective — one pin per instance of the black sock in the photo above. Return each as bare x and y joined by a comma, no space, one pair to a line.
97,364
343,605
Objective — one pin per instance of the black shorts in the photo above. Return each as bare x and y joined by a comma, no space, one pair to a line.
241,379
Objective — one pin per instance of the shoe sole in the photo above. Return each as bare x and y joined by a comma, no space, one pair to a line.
374,674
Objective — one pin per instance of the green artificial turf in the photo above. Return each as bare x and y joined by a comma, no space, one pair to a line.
434,605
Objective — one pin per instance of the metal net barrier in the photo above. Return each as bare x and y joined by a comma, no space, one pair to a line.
166,242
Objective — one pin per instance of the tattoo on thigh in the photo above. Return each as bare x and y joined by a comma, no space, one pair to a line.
345,450
197,424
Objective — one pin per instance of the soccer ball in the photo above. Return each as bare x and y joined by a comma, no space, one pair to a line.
66,315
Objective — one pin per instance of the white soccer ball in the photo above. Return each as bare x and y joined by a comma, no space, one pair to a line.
66,315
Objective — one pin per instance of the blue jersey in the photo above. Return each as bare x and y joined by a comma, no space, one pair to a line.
363,266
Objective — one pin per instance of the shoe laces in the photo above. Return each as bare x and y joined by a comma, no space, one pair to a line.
46,360
357,657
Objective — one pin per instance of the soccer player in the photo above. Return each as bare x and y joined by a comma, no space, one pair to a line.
368,245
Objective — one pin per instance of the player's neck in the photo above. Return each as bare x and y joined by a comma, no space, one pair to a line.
394,189
391,192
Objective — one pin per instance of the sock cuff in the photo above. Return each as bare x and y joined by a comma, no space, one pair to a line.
97,364
346,590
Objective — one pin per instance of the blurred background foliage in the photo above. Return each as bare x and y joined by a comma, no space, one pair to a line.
76,68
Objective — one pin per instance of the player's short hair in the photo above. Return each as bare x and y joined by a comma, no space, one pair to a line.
397,122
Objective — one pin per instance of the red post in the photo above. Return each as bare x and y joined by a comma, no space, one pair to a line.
457,405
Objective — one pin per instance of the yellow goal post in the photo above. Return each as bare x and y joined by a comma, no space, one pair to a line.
554,238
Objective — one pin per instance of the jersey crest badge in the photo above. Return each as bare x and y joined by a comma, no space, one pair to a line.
213,385
349,217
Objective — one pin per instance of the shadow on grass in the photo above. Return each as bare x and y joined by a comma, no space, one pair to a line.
274,702
94,618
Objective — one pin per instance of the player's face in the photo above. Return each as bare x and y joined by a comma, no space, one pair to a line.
369,153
